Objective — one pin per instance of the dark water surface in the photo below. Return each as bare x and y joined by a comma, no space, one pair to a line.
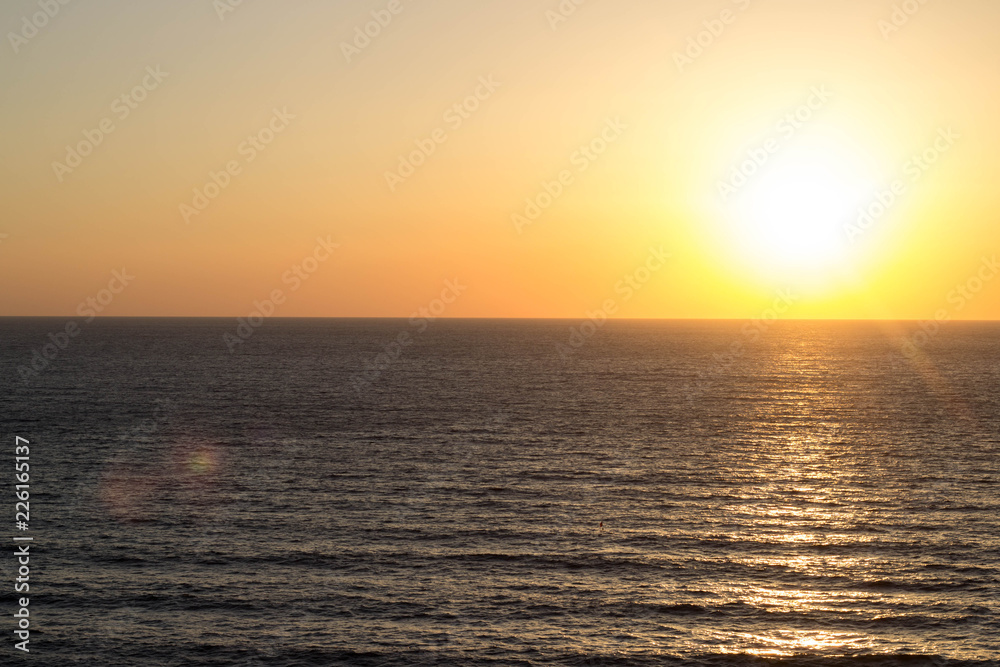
815,497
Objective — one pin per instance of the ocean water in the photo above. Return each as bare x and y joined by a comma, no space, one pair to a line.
667,493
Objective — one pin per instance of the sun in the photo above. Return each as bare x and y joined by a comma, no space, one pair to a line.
793,213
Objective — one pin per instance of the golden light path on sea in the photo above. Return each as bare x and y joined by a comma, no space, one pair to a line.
815,514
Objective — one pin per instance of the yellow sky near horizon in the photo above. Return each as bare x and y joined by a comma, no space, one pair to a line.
614,123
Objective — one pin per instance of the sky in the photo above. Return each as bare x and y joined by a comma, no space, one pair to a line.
672,159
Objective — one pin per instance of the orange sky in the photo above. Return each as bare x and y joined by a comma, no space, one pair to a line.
554,154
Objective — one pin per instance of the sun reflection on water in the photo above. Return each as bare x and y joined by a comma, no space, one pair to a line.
800,499
789,643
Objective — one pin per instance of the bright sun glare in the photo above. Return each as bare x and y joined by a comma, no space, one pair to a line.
794,212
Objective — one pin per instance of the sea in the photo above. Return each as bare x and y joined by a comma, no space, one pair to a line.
503,492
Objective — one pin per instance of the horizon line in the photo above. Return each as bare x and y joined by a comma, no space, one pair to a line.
496,319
